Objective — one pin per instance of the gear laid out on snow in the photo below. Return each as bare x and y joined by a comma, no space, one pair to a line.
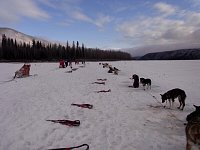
62,64
98,83
23,72
83,105
67,122
104,91
70,148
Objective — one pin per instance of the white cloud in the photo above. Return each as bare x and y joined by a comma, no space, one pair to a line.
164,8
195,3
72,10
65,23
80,16
193,18
12,10
180,27
159,30
100,21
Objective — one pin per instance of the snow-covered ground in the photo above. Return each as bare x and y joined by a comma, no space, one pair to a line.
122,119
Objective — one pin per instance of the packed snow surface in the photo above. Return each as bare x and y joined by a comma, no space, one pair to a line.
124,119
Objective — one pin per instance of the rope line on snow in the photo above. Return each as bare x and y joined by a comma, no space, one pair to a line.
70,148
2,82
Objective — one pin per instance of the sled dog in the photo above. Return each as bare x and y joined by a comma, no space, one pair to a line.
145,82
136,81
172,94
192,129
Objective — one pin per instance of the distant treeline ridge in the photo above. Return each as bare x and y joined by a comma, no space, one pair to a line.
10,50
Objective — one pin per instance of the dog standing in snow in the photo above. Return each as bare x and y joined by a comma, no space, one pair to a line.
172,94
145,83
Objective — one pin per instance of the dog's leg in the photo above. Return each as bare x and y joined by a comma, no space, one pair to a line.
188,146
169,104
179,103
143,87
165,104
183,105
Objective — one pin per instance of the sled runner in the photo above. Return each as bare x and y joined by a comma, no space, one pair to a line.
67,122
70,148
83,105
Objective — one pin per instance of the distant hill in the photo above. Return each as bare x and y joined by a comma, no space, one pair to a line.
183,54
19,36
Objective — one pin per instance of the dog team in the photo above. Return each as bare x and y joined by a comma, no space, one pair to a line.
192,129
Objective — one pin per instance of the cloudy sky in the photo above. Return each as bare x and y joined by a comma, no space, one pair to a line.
106,23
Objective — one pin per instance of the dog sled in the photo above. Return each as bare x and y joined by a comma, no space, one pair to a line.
24,71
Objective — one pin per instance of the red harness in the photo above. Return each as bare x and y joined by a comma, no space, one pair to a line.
67,122
101,79
104,91
83,105
98,83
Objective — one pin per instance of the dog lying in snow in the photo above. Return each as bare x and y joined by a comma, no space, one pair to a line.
172,94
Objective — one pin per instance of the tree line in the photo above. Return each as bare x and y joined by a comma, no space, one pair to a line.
11,50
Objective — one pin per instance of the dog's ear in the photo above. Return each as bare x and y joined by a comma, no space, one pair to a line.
197,107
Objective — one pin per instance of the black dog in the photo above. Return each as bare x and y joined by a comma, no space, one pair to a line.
194,114
136,81
145,82
172,94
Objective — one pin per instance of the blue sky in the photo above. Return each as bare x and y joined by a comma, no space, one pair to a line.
106,23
